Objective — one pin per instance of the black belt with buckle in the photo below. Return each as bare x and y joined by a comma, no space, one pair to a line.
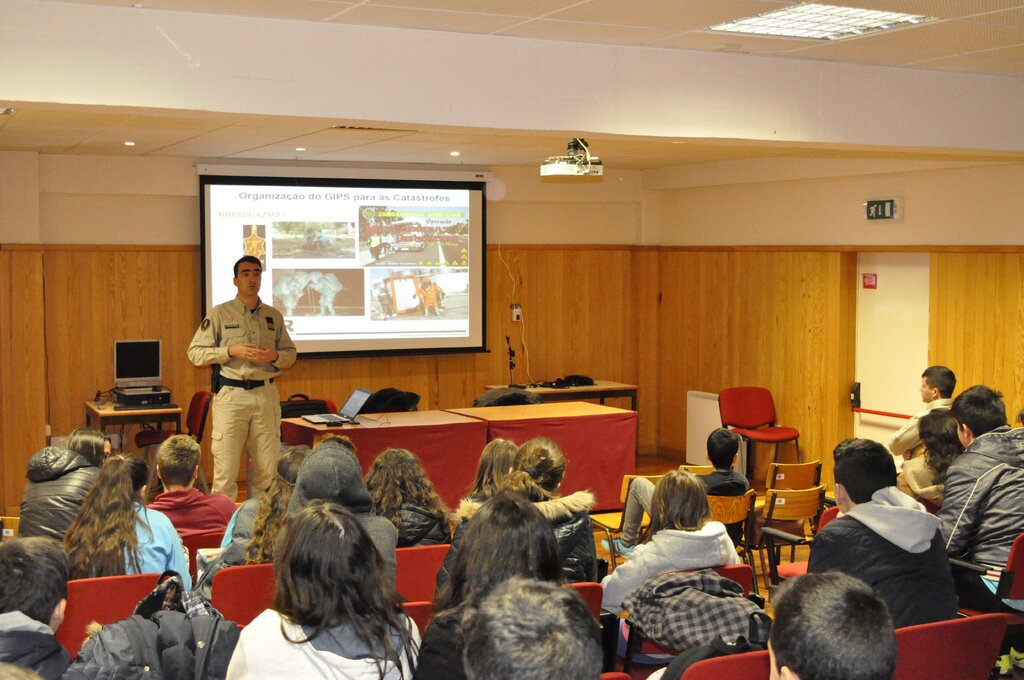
245,384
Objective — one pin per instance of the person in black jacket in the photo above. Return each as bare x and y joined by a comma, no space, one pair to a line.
507,537
58,481
401,492
885,538
33,594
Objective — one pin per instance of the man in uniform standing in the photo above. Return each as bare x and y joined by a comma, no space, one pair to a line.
248,341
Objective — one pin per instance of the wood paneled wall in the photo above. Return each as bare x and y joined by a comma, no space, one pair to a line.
781,320
977,321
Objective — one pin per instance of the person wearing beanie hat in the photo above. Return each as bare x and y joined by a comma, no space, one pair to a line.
332,473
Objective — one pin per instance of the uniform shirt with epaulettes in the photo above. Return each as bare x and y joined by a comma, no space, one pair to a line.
232,323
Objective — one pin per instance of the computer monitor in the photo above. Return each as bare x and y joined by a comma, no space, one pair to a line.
137,363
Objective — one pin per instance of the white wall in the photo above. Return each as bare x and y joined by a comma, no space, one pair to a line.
892,339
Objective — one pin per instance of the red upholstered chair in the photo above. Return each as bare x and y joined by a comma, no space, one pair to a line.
195,421
417,571
615,676
949,650
193,542
105,599
1009,587
749,666
420,613
592,593
294,435
750,413
241,593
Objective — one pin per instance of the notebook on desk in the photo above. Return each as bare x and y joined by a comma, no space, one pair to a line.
348,412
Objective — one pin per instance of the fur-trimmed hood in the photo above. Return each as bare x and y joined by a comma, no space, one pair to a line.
555,510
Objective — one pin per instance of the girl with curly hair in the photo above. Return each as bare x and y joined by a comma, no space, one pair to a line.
401,492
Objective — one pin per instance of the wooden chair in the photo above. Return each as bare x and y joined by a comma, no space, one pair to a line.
750,413
737,510
10,526
611,522
417,569
420,613
105,599
793,475
781,572
699,470
240,593
742,574
949,650
193,542
799,505
749,666
195,421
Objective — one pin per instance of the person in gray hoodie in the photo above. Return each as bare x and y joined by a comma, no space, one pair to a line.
332,473
885,538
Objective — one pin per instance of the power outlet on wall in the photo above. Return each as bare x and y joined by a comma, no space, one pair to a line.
517,312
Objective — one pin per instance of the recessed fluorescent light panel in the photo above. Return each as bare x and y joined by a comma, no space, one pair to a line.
821,22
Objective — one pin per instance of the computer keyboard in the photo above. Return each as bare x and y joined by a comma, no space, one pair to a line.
143,407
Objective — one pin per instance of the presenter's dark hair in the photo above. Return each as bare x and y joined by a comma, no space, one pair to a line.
863,467
507,537
831,626
33,577
247,258
942,379
329,573
937,429
88,443
980,408
274,506
103,533
722,447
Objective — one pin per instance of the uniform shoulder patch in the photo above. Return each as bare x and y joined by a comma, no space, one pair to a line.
206,324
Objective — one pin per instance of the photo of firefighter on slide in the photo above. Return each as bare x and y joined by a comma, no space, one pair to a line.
412,294
425,236
318,292
314,240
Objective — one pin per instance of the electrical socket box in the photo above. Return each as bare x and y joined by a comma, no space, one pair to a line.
517,312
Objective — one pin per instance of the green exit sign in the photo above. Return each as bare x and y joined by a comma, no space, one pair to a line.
881,209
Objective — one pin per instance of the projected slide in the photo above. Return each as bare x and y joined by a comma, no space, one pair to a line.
354,268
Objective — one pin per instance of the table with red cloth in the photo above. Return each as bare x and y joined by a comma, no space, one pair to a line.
448,444
599,442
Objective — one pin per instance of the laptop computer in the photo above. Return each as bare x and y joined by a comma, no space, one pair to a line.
348,412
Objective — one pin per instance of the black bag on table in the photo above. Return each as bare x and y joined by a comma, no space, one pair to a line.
300,405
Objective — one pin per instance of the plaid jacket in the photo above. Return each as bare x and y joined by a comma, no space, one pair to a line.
684,609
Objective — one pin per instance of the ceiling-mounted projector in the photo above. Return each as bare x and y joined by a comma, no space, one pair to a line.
576,163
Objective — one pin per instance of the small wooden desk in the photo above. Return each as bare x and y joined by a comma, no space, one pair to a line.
601,389
99,416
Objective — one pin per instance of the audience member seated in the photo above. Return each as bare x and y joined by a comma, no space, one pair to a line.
332,473
335,613
496,462
507,537
114,533
983,507
402,492
33,594
937,385
831,627
189,509
58,481
539,469
252,532
681,536
924,477
531,629
722,446
885,538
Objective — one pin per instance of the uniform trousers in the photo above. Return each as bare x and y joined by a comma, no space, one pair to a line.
240,415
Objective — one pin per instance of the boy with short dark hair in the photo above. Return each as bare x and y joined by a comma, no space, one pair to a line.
189,509
33,594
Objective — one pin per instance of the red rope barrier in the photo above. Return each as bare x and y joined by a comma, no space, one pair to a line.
857,409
